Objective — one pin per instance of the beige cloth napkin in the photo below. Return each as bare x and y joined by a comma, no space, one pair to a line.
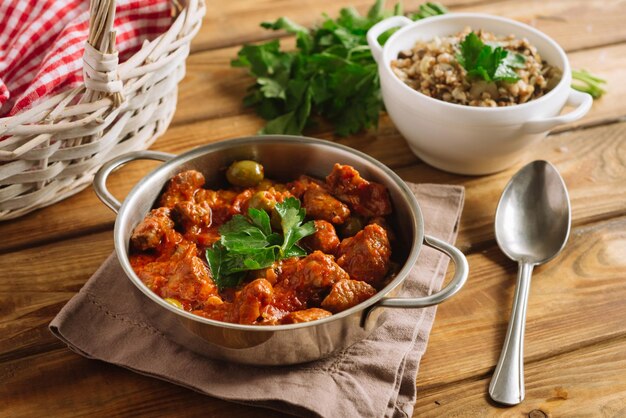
107,320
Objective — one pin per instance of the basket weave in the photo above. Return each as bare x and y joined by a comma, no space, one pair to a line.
53,150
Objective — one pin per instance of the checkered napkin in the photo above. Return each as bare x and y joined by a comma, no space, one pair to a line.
42,44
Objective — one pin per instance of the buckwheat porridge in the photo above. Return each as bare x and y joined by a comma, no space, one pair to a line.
477,68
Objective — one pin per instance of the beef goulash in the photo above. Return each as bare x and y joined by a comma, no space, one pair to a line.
263,252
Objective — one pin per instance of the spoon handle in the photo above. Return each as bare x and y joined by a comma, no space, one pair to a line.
507,383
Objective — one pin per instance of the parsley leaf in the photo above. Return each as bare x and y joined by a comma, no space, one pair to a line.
220,263
261,220
291,217
491,63
248,243
331,75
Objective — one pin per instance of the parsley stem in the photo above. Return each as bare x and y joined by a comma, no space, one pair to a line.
360,48
588,83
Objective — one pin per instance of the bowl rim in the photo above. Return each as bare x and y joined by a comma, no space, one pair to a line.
178,160
477,109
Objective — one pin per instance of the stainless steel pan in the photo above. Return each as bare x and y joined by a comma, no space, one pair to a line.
284,158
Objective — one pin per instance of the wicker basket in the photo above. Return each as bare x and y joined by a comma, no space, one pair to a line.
53,150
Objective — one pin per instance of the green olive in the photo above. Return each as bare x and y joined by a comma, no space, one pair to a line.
351,226
245,173
262,200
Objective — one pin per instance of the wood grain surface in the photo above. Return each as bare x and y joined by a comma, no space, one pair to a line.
237,22
576,332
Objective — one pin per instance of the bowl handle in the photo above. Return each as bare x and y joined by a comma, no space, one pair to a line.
380,28
460,277
99,181
582,103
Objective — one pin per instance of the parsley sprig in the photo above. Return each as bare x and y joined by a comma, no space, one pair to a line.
487,62
248,243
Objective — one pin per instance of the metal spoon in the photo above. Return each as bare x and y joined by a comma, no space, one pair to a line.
532,225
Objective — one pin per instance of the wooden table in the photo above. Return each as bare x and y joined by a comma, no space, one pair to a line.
576,327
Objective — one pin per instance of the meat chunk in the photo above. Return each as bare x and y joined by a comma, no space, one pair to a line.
324,239
223,203
192,216
181,276
297,188
251,301
196,220
317,270
317,200
379,220
306,315
346,294
181,187
189,280
151,230
366,255
303,283
320,204
366,198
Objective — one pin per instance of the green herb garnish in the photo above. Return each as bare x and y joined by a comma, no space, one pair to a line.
487,62
588,83
248,243
332,74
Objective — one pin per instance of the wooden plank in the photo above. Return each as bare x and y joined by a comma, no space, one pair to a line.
212,89
574,24
237,22
64,384
575,301
585,383
29,300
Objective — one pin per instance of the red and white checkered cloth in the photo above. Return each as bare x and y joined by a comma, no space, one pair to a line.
42,43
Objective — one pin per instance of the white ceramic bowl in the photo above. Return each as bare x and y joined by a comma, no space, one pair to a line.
466,139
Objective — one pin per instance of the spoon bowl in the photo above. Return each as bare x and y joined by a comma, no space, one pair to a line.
533,216
532,226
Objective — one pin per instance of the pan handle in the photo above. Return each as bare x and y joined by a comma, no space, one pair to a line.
99,181
460,277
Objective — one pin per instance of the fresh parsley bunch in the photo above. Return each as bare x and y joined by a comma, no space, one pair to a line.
331,74
248,243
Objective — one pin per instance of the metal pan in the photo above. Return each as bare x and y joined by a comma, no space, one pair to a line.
284,158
